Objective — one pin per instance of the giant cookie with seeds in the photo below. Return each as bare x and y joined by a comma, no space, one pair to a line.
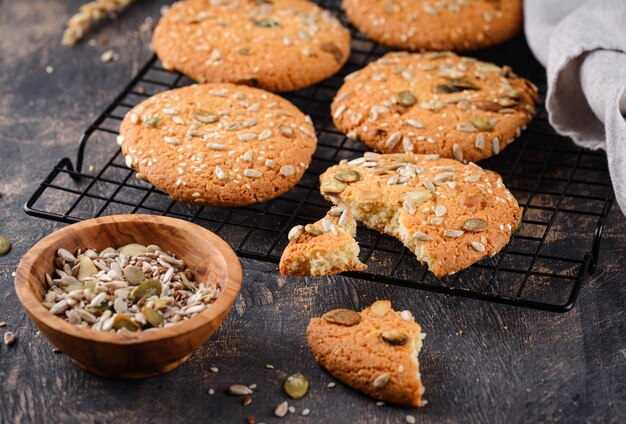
323,248
374,351
436,25
447,213
218,144
279,45
435,103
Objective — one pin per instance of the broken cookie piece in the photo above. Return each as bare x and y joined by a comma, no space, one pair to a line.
448,214
323,248
374,351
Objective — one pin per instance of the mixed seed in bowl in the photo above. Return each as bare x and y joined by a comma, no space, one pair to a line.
132,288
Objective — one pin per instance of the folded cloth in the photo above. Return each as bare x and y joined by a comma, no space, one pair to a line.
583,44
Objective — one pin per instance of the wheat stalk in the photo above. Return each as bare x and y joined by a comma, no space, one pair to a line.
87,15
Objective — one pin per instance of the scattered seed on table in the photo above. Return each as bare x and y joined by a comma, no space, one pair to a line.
214,369
3,324
9,338
380,403
5,245
410,419
246,401
239,390
306,411
252,386
211,392
292,409
281,409
56,350
269,366
331,385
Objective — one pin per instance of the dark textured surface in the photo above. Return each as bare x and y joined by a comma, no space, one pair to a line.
481,362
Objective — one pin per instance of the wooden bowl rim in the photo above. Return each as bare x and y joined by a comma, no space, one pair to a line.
34,307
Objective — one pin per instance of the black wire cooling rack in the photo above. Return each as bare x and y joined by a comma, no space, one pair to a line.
565,192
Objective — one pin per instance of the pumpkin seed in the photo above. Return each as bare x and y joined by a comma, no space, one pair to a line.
266,23
455,86
313,230
347,175
134,275
152,316
124,321
394,337
474,225
488,67
330,47
152,122
380,308
417,197
333,187
133,249
296,386
487,105
188,284
405,98
146,289
86,268
481,124
343,317
204,116
295,232
5,245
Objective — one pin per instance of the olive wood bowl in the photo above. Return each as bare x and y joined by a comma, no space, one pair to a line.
142,353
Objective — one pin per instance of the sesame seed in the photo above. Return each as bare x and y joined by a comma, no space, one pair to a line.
305,412
214,369
196,194
410,419
170,111
269,366
331,385
119,139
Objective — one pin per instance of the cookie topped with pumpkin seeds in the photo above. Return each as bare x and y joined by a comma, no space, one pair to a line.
434,103
435,24
449,214
218,144
279,45
374,351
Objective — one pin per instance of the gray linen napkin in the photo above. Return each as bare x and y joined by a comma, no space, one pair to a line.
583,44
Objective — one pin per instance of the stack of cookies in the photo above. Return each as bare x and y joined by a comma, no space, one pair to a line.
428,116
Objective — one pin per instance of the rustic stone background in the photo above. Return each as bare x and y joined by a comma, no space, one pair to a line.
481,362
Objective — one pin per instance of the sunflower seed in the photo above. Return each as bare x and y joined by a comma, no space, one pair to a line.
479,247
457,151
171,140
414,123
295,232
393,140
282,409
239,390
495,144
381,380
9,338
313,230
421,236
287,170
453,233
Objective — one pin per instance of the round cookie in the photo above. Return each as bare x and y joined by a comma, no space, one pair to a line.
448,214
436,25
434,103
218,144
278,45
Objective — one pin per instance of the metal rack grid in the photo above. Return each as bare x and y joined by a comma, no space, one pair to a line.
565,192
